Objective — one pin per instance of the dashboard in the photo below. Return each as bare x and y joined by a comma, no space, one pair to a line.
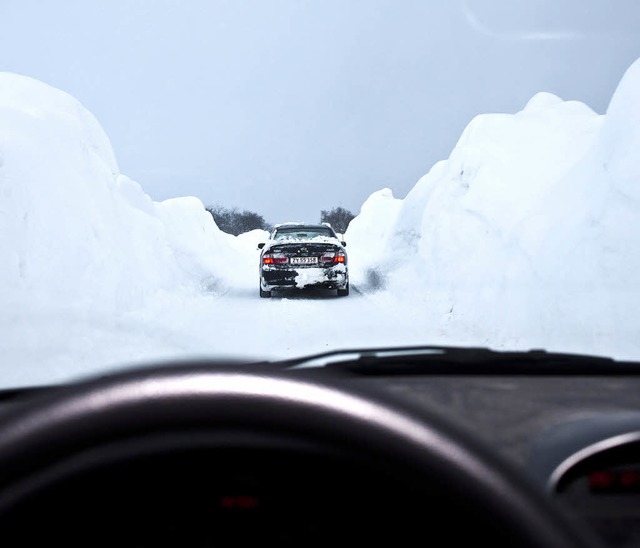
576,436
165,457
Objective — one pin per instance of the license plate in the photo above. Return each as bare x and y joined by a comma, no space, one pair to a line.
303,260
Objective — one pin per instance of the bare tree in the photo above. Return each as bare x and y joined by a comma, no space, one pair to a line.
338,217
233,221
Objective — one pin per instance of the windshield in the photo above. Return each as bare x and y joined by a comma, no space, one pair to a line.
479,159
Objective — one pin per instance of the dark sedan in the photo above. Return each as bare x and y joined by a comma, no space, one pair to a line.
303,256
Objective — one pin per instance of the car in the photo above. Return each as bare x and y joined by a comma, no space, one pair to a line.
303,256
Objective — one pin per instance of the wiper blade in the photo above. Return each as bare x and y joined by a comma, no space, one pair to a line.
453,360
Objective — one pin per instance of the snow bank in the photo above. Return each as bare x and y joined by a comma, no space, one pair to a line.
367,237
585,236
527,235
245,272
71,222
78,236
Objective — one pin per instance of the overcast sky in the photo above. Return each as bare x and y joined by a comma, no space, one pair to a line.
289,107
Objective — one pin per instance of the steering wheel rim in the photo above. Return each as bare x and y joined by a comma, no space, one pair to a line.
296,405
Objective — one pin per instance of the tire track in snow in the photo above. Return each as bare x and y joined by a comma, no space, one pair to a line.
298,322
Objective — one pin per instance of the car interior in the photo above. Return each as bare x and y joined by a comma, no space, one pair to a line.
388,446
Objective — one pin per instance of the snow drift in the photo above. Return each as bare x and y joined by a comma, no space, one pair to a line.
71,222
80,241
527,235
366,231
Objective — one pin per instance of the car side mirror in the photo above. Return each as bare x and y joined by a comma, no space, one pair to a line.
344,244
261,245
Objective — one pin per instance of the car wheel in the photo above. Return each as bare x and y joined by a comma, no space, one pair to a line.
343,292
265,294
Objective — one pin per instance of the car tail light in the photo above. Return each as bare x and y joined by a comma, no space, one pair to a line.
331,257
274,258
327,257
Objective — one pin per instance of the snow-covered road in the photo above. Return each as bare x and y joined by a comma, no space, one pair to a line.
233,322
296,322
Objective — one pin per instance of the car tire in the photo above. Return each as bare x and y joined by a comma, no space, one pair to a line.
343,292
265,294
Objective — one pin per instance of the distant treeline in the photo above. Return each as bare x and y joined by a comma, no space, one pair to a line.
233,221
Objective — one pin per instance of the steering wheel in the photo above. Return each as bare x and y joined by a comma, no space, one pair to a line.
88,427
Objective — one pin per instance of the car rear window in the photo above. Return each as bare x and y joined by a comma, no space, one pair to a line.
303,233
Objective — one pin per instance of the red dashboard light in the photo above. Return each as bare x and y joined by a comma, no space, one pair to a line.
630,478
601,479
239,502
615,481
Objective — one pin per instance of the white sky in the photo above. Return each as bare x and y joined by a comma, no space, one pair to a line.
289,107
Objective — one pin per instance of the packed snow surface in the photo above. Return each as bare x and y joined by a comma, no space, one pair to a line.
526,236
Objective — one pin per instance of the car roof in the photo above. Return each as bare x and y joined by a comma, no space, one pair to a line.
303,225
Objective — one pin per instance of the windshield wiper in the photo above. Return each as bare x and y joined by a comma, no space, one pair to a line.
451,360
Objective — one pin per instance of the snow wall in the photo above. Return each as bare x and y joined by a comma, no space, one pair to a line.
527,236
72,228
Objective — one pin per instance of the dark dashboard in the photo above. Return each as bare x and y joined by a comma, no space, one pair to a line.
178,455
576,436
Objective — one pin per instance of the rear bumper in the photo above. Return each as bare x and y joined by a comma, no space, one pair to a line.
335,277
